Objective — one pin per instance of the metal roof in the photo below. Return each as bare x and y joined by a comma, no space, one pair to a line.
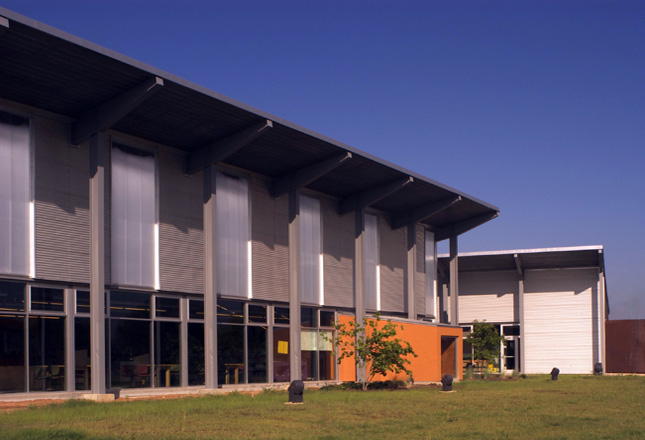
546,258
52,70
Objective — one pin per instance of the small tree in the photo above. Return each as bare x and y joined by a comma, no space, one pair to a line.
375,347
486,341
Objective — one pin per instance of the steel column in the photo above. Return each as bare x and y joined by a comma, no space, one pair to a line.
97,263
359,276
454,281
412,270
210,278
294,284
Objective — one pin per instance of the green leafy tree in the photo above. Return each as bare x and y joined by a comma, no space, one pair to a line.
374,346
486,341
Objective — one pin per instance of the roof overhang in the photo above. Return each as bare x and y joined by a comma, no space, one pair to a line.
50,70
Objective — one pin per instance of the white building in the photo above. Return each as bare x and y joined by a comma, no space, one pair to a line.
550,304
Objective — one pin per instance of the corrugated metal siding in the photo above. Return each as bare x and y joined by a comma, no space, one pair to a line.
489,296
559,320
181,227
393,261
61,205
338,256
420,277
270,243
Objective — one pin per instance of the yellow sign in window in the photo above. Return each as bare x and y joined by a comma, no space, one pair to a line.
283,347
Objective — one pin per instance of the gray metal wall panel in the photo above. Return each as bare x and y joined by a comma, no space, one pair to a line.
488,296
338,256
61,204
420,276
560,320
392,263
270,243
181,227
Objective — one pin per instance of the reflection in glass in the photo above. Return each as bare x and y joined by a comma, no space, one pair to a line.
307,317
130,353
196,354
281,315
12,354
129,304
46,353
82,353
257,354
257,313
230,354
231,312
12,297
327,319
44,298
196,309
167,371
167,307
281,354
82,301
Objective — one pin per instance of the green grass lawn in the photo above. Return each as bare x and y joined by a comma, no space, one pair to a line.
574,407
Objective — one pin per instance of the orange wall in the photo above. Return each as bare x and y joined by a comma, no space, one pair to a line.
426,343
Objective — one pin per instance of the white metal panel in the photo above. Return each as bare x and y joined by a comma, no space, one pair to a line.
560,320
488,296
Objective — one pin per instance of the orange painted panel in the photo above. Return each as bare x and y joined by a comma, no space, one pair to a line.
426,342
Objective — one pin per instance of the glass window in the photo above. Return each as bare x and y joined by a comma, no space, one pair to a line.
307,317
134,252
12,354
310,250
195,309
196,353
130,353
167,307
46,353
83,373
43,298
317,355
130,304
281,366
167,353
232,224
15,195
327,318
257,313
82,301
231,312
371,252
281,315
257,353
511,330
12,297
230,354
326,364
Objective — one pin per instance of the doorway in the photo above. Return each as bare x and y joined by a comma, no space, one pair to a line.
449,356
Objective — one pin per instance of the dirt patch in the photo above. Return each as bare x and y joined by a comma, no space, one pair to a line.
25,404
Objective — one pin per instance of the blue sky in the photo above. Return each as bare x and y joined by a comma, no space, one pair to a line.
535,107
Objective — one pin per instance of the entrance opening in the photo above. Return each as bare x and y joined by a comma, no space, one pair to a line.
449,356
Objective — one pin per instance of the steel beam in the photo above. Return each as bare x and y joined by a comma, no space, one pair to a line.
219,150
210,278
108,114
419,214
454,281
306,175
4,25
463,226
518,265
367,198
294,284
97,265
522,356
